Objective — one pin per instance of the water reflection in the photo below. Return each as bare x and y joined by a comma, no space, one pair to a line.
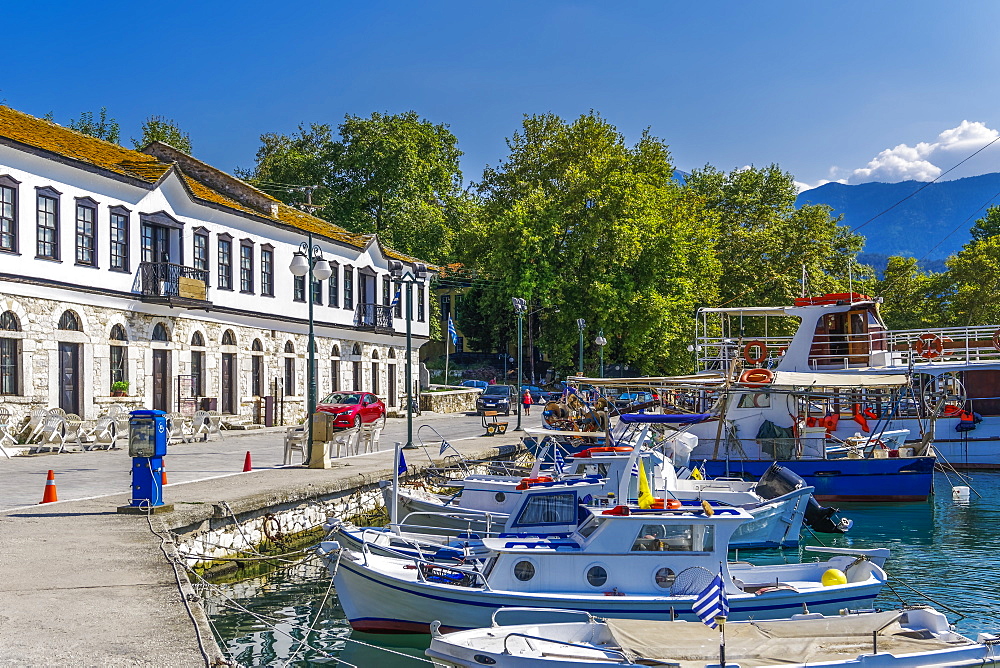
942,548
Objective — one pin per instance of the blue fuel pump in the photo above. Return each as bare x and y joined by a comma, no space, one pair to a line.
147,445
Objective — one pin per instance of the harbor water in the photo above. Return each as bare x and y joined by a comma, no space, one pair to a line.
944,549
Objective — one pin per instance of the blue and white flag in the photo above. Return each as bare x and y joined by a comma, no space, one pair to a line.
635,468
557,458
452,332
712,602
401,464
395,299
444,446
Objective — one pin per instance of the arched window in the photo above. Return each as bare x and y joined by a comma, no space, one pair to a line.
289,347
10,358
198,365
257,346
257,368
356,350
70,321
9,322
376,389
374,354
335,368
118,356
356,367
335,351
228,338
392,353
197,339
160,333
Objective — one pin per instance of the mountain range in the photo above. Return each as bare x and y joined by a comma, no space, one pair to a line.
929,225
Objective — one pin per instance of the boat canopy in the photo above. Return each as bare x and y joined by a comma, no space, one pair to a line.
804,379
749,310
654,418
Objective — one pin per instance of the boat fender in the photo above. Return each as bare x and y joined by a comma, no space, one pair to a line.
618,511
768,590
832,577
929,346
859,417
747,355
756,377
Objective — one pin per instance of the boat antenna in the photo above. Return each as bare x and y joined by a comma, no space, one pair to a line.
803,280
850,276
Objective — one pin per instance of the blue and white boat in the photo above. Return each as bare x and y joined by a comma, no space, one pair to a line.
618,563
905,638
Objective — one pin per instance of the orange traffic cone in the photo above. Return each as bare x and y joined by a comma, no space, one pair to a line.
50,488
247,466
163,475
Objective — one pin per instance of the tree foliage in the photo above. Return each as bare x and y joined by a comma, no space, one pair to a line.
576,218
159,128
101,127
396,176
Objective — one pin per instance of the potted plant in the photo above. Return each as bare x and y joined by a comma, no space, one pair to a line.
119,389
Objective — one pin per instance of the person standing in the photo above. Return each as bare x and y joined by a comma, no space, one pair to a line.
526,402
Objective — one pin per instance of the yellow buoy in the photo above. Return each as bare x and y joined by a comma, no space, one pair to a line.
833,576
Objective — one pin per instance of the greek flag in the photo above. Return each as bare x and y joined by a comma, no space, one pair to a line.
557,458
401,464
635,469
712,602
444,446
395,299
452,332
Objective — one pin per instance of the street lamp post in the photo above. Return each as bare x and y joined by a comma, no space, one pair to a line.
581,324
520,307
309,259
405,275
601,342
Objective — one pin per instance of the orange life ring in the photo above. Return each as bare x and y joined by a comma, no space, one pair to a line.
665,504
756,377
996,339
763,352
590,452
929,346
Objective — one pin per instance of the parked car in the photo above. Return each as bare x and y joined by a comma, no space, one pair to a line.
627,399
538,395
495,398
352,408
478,384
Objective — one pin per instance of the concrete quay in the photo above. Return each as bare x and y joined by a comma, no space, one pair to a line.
81,585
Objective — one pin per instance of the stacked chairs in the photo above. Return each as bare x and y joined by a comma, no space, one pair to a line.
346,442
214,424
179,430
296,438
200,425
52,434
7,427
33,427
104,433
371,433
77,430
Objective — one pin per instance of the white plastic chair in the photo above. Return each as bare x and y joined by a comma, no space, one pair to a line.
371,434
345,441
105,433
77,430
178,429
6,431
31,429
296,438
53,433
200,425
214,424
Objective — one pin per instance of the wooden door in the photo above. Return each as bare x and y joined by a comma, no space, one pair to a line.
161,380
392,385
229,383
69,377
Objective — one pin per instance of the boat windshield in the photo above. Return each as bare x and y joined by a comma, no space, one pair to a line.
674,538
558,508
589,526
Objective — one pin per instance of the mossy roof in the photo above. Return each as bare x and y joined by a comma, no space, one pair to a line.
76,146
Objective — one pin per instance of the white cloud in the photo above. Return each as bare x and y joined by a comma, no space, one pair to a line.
926,161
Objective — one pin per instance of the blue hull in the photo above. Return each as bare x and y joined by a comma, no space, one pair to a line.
909,479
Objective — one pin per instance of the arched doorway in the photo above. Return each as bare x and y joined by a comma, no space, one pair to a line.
392,377
229,378
161,368
69,365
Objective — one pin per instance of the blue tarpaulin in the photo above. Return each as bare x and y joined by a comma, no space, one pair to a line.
653,418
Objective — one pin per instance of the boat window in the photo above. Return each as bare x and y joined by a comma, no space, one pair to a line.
597,576
524,570
589,527
557,508
583,468
755,400
674,538
500,497
665,578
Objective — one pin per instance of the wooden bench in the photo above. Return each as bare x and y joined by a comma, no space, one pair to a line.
491,426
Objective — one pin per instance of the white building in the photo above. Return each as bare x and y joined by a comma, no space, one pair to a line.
156,269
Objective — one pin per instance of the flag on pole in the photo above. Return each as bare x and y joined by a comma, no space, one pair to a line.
401,464
395,298
557,458
452,332
444,446
635,468
645,495
712,602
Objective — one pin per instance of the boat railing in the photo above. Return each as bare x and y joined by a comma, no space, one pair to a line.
566,611
487,517
939,344
565,643
426,563
717,353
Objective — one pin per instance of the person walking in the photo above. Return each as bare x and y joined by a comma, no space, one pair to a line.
526,402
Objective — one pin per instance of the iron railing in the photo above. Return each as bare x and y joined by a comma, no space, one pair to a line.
373,316
165,279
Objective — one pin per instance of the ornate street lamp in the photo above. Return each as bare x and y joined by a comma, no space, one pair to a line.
310,257
408,276
601,342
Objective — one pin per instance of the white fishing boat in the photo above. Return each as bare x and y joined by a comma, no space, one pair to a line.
893,639
618,563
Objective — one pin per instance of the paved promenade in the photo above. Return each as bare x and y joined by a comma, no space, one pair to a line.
81,585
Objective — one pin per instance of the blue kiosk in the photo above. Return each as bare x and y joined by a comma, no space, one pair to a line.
147,445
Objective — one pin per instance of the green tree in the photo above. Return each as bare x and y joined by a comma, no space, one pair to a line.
974,274
161,129
764,240
575,218
395,175
913,299
987,226
102,127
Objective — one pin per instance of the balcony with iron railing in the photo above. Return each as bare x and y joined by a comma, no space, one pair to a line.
173,284
374,317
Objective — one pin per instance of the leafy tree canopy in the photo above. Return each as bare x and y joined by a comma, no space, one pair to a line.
159,128
393,175
101,127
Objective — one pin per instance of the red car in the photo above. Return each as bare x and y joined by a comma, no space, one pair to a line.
352,408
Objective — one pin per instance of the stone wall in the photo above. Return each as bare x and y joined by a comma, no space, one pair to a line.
451,401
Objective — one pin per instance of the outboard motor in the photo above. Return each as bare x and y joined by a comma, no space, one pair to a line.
778,481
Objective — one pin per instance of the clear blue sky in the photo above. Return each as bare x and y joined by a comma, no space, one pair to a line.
811,86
